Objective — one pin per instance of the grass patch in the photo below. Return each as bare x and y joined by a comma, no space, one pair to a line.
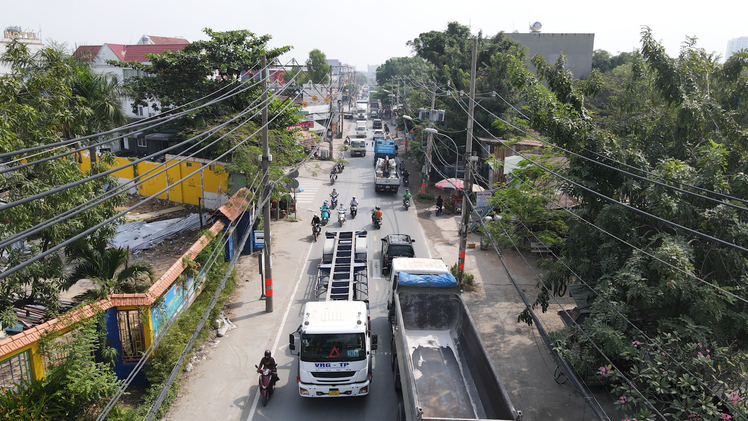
468,280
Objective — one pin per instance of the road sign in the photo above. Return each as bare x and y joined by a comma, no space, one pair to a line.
293,174
294,184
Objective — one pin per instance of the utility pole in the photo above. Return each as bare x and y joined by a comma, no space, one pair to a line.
266,158
430,142
466,207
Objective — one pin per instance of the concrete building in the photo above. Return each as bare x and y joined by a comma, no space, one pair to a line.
577,48
32,40
736,44
100,54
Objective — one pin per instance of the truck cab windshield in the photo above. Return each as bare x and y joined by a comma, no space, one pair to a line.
333,347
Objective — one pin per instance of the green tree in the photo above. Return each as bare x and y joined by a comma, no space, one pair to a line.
108,269
39,107
449,53
525,207
75,383
200,69
676,120
317,67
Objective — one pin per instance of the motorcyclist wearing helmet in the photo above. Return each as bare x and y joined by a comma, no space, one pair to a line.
406,195
376,213
269,362
316,220
334,194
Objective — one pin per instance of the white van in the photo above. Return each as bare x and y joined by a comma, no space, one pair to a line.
361,129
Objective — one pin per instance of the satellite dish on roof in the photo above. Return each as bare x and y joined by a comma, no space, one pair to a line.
536,27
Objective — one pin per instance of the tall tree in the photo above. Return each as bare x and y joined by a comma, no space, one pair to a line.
658,290
317,67
450,54
200,69
39,107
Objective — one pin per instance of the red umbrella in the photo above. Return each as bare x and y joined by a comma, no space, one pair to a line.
450,183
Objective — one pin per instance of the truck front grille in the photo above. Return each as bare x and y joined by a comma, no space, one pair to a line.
333,374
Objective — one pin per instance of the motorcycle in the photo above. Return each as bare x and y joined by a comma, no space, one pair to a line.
406,203
439,210
354,211
325,215
406,179
267,385
377,222
333,202
333,177
341,167
341,217
316,230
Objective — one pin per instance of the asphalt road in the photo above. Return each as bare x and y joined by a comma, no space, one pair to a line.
223,386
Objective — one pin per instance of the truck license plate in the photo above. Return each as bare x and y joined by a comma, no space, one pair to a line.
334,392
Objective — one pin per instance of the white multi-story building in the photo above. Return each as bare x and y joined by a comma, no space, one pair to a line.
100,54
33,41
736,44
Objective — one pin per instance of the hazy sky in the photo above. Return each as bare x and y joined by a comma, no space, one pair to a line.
370,32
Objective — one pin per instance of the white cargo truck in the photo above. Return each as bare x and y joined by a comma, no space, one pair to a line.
336,346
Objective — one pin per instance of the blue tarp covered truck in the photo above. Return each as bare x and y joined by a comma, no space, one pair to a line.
438,357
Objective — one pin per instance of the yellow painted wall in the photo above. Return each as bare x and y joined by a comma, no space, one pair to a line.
188,191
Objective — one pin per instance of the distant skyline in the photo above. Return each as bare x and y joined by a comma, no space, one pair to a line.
364,33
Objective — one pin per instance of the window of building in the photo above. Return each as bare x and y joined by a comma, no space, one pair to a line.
212,167
141,142
15,369
140,110
189,164
130,334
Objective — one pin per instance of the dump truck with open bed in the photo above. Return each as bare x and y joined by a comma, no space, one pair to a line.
438,357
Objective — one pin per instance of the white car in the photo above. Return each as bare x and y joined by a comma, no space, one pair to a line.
378,133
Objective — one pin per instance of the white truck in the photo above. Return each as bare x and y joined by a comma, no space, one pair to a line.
336,346
361,107
438,358
361,128
385,176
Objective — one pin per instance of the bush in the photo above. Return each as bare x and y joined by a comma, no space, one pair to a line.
468,280
159,366
425,197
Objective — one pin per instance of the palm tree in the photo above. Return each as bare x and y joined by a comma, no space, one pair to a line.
108,270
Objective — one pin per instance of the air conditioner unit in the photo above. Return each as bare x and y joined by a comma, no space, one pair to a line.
423,114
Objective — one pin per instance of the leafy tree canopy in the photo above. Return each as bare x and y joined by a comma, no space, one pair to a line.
449,54
317,67
47,97
656,287
201,68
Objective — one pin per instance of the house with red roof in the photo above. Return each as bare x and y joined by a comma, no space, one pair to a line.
101,54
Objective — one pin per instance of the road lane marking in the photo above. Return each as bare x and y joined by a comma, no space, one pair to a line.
280,330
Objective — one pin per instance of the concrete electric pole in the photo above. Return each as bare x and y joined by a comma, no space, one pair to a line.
266,158
466,207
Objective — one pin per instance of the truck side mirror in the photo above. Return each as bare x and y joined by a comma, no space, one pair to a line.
374,341
291,344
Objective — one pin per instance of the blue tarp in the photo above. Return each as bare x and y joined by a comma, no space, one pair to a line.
427,281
